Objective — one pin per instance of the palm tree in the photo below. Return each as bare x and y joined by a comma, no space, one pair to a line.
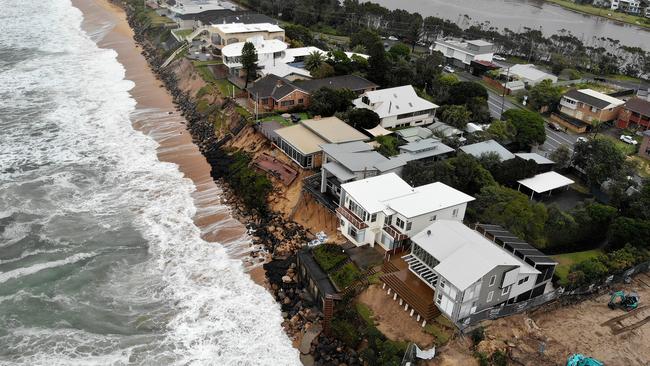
314,60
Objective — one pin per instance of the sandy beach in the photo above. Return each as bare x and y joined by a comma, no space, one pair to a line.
157,117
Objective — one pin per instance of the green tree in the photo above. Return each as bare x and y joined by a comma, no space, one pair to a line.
545,94
363,118
427,69
325,70
442,85
314,60
249,61
625,230
561,229
529,127
365,38
640,203
401,73
378,64
514,211
599,159
463,172
480,110
325,101
399,50
562,157
299,33
501,131
455,115
462,92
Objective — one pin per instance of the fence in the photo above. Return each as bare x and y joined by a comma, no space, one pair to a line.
558,294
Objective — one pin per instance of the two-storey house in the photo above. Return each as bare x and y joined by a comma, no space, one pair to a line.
386,210
470,273
398,107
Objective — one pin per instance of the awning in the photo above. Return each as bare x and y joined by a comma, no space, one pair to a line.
339,171
379,131
545,182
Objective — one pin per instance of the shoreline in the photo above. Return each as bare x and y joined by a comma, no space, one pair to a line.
157,116
597,12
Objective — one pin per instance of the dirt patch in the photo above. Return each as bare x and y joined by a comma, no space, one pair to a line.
188,79
575,329
392,320
455,353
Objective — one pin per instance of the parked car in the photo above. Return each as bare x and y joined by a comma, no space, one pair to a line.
628,139
393,38
555,126
295,118
499,58
581,139
449,69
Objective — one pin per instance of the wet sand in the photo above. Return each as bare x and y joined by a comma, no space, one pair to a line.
153,117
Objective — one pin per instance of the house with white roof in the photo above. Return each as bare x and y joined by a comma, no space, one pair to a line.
387,211
398,107
529,74
461,53
487,147
352,161
470,272
228,33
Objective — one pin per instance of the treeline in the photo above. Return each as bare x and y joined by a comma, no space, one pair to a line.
562,50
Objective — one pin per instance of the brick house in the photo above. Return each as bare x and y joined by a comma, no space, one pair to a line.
579,108
635,114
273,93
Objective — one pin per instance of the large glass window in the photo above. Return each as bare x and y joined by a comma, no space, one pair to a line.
399,223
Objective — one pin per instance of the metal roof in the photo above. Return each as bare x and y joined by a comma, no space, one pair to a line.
545,182
518,247
486,147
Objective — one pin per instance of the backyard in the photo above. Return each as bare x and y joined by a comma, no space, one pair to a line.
283,121
566,260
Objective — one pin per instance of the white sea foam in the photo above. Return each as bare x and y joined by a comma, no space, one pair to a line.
80,170
25,271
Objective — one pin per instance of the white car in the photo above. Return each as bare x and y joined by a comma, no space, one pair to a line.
393,38
448,69
499,58
581,139
628,140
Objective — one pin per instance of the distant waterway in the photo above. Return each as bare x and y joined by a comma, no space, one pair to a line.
517,14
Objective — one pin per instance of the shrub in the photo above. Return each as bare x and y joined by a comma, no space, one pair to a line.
251,186
478,335
499,358
346,275
347,333
329,256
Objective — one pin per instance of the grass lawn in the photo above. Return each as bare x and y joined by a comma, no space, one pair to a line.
346,275
207,63
565,261
626,149
329,256
278,118
441,328
225,86
605,13
157,19
643,164
182,33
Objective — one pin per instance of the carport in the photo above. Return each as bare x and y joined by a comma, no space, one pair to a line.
545,182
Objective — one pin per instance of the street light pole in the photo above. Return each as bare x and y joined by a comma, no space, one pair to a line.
503,95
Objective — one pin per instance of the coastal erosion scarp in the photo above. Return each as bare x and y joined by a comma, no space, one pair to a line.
157,116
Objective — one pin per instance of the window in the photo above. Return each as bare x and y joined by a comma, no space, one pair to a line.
525,279
594,109
399,223
505,290
301,101
287,103
493,279
454,213
433,218
408,226
373,217
265,101
439,298
489,297
443,283
388,220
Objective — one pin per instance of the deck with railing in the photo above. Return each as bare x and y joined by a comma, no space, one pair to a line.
351,217
394,233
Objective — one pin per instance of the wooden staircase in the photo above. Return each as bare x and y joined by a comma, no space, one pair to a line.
426,308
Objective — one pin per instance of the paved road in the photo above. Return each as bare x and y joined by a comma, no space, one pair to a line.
553,138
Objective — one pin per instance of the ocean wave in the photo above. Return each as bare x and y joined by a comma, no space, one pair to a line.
26,271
